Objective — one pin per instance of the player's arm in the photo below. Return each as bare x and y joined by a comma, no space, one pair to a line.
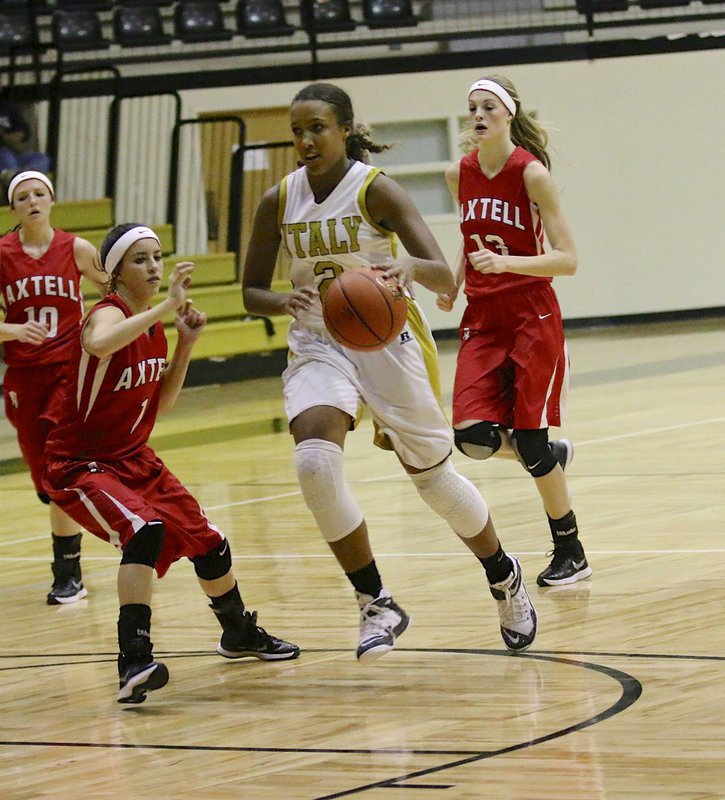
189,324
561,258
446,300
260,262
391,208
108,330
29,332
89,264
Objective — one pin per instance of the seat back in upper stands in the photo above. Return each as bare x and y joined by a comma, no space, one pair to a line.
139,26
260,18
200,21
388,13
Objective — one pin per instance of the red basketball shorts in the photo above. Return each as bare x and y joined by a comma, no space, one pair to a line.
30,395
513,363
113,500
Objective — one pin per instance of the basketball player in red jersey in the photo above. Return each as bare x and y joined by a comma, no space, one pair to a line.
337,212
102,472
40,282
513,366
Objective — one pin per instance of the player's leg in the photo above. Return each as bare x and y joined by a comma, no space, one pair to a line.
138,672
407,414
26,402
541,388
568,560
319,433
67,578
107,503
188,533
454,498
482,439
241,636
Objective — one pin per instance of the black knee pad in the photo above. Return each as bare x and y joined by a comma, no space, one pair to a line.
145,546
44,498
533,451
479,441
214,564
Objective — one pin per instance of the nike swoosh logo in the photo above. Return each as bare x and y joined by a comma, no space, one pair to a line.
544,316
225,548
514,639
533,466
580,564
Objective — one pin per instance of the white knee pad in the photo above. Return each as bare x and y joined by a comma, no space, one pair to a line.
454,498
320,473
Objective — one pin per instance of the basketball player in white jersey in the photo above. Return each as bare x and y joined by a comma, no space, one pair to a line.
335,213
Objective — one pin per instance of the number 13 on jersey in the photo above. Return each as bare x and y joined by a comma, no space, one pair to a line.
496,241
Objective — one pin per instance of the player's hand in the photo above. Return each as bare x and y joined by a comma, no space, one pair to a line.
179,282
487,262
189,321
446,301
300,301
32,332
401,271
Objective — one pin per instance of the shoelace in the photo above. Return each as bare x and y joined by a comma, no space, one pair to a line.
260,635
516,610
371,617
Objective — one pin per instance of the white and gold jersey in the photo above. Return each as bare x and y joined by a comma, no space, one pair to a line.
324,239
400,383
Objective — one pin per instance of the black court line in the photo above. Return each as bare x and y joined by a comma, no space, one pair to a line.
100,658
630,686
631,692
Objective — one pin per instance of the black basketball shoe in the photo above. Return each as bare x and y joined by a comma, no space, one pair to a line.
568,565
248,640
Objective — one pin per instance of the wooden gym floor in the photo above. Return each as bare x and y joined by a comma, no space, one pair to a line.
621,697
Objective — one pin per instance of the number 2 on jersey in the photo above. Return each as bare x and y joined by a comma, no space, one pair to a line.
329,270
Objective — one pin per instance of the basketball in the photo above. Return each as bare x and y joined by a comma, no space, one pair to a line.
363,310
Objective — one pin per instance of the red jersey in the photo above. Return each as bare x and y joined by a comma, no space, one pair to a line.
47,290
496,213
110,405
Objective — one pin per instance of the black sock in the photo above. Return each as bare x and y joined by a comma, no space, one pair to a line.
134,631
229,611
66,548
564,532
228,600
367,580
498,566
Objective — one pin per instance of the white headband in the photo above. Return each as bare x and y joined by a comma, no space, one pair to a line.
498,90
117,251
26,176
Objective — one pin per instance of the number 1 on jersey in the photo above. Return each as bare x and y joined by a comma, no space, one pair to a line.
140,416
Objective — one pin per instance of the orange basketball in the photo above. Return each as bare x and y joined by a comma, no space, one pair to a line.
363,310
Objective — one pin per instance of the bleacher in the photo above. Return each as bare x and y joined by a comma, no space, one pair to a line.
231,330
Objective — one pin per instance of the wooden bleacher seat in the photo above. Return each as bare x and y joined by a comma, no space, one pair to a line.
237,337
231,330
72,215
212,269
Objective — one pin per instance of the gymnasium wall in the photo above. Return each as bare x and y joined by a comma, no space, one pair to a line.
636,145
